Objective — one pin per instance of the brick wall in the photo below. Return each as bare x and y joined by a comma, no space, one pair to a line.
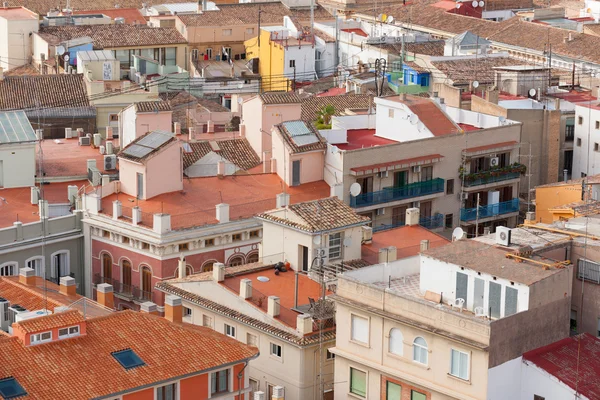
554,147
406,389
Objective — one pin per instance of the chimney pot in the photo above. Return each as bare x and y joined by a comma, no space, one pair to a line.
304,324
219,272
173,309
220,168
222,213
242,130
27,276
273,306
283,200
259,396
424,245
105,295
68,286
246,289
149,307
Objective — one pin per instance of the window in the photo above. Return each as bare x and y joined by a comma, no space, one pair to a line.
252,258
209,242
235,261
595,146
597,124
449,221
254,234
588,270
537,397
128,359
36,264
68,332
10,388
335,245
184,246
170,56
60,265
414,395
219,382
208,266
194,54
230,331
208,53
41,337
570,130
226,32
167,392
395,342
420,350
574,320
125,276
450,186
459,364
276,350
393,391
146,283
9,269
578,142
426,173
391,113
254,386
580,120
236,237
187,312
251,340
360,329
358,382
106,268
250,31
330,355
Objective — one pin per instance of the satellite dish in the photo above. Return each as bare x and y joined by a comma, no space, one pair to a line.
66,57
263,279
458,234
60,50
532,92
475,84
414,118
390,19
347,242
317,240
481,4
474,3
355,189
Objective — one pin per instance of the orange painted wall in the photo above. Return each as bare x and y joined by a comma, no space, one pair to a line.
26,337
146,394
195,387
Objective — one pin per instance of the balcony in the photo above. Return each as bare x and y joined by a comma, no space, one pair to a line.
491,210
127,292
437,221
405,192
513,171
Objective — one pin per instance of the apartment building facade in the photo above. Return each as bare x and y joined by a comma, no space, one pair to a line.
448,331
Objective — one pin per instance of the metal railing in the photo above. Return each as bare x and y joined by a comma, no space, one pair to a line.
490,210
392,193
484,180
125,290
434,222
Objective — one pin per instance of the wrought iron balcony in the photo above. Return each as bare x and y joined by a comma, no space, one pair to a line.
487,178
395,193
490,210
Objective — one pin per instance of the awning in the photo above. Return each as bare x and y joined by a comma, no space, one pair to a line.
396,165
471,151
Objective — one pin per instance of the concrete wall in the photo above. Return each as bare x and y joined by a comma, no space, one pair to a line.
127,126
585,159
450,94
17,165
547,197
128,171
164,171
536,381
504,381
15,49
311,163
148,122
586,308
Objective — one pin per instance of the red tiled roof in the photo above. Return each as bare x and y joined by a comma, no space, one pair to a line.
356,31
388,166
131,15
574,361
429,114
363,138
34,297
406,239
491,146
51,321
46,371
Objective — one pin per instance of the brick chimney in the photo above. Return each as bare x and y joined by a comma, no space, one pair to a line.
173,308
149,307
27,276
68,286
105,295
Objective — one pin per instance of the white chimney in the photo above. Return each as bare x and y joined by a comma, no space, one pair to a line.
191,133
222,213
181,267
259,396
117,209
273,306
218,272
242,130
109,133
278,393
304,324
68,133
72,193
424,245
35,195
210,127
246,289
109,148
388,254
177,128
283,200
220,168
412,216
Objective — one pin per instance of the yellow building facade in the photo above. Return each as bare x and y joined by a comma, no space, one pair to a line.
271,65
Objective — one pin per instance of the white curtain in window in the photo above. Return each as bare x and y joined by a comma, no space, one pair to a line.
360,329
420,350
396,346
459,364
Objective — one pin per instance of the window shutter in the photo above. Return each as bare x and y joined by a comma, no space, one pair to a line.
360,329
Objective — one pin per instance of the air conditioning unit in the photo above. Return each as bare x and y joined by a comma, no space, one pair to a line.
31,314
94,176
13,311
367,234
503,235
382,174
4,304
464,195
417,169
85,140
416,204
494,162
380,211
68,133
110,162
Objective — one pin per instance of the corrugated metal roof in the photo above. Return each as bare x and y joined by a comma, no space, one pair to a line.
59,112
15,128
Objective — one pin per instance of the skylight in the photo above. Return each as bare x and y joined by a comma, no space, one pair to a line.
10,388
128,359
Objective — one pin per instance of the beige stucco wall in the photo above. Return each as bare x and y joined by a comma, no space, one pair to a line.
15,41
587,307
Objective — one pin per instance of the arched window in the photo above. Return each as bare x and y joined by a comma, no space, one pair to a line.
146,283
420,350
235,261
37,264
208,266
396,345
252,258
9,269
107,268
60,265
125,276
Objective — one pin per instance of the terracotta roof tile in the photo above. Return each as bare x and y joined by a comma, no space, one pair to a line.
34,297
247,13
32,91
318,215
237,151
461,72
111,36
131,15
23,70
51,321
43,6
212,106
312,105
46,371
280,98
152,106
290,138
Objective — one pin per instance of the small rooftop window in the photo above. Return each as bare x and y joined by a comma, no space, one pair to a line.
10,388
128,359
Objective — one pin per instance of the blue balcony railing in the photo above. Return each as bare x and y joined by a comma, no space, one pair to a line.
491,210
492,179
388,194
437,221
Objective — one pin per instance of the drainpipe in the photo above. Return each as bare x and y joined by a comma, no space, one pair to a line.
240,376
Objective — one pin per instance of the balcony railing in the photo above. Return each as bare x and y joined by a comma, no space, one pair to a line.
485,179
131,291
437,221
392,193
491,210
